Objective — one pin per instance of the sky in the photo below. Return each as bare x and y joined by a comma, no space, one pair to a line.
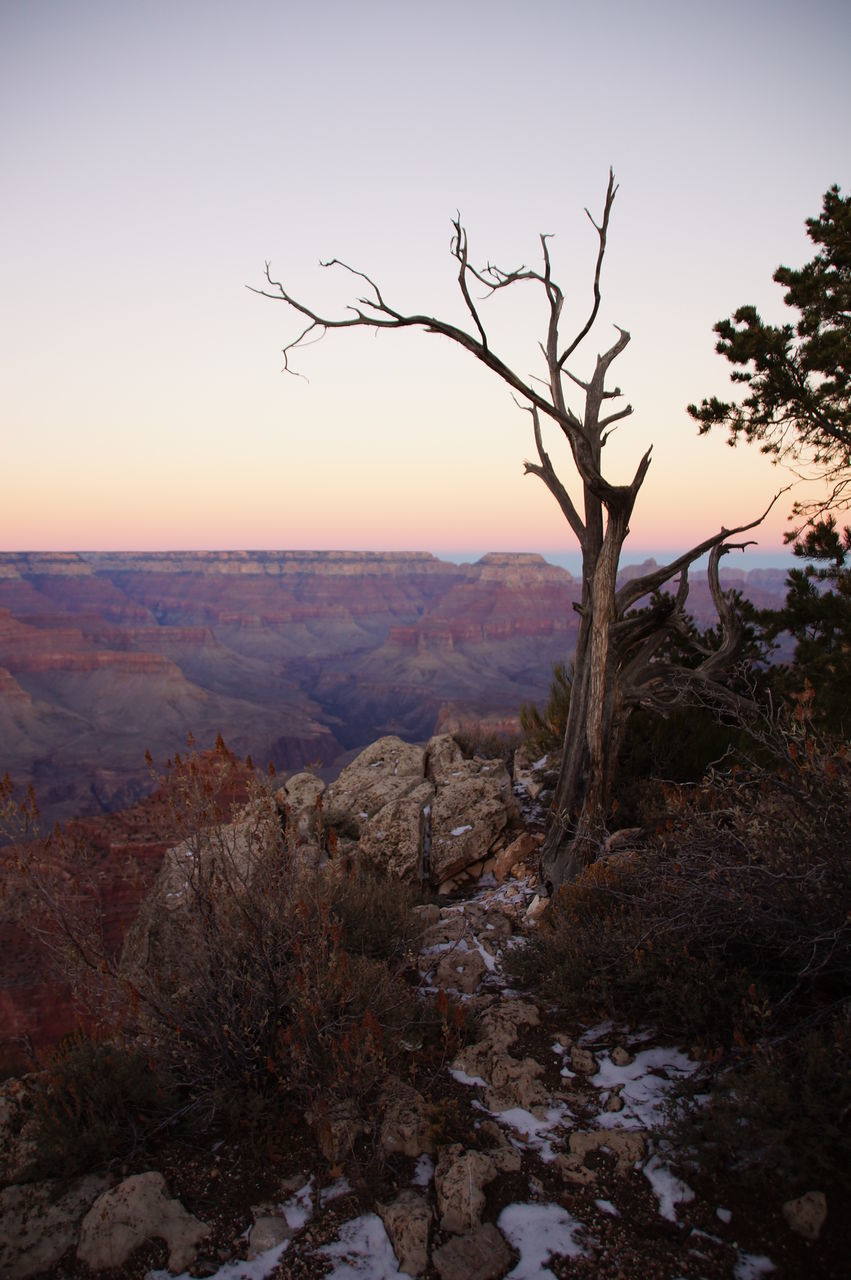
155,156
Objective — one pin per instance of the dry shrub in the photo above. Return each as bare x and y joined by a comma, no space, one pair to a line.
729,928
94,1103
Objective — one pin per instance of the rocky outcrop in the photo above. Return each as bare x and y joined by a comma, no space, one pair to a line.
39,1222
137,1210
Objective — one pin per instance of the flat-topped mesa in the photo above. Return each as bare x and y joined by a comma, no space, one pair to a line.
519,568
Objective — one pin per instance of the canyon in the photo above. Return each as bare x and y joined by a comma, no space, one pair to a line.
295,657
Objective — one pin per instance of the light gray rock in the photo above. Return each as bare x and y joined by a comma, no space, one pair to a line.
407,1221
480,1255
469,813
460,970
458,1179
37,1226
621,1057
393,838
626,1145
583,1060
385,771
444,759
515,1084
407,1125
269,1230
138,1209
806,1216
301,797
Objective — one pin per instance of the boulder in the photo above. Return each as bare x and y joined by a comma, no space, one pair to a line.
469,812
626,1145
138,1209
806,1215
482,1254
458,1179
460,970
515,1083
407,1125
444,759
269,1230
407,1221
393,838
38,1224
525,846
385,771
301,799
337,1126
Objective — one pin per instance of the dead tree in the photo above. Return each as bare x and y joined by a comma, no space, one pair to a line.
618,663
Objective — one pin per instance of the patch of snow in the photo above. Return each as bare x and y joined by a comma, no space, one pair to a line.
339,1188
463,1078
644,1090
298,1210
559,1049
459,831
539,764
539,1232
668,1190
597,1033
363,1252
257,1269
725,1215
606,1206
749,1266
424,1171
533,1130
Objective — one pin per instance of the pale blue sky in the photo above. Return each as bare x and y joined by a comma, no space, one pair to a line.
154,155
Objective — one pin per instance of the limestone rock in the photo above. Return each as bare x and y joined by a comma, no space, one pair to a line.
337,1126
480,1255
468,814
407,1221
407,1125
269,1230
806,1215
393,838
621,1057
505,1156
574,1171
458,1179
500,1024
525,846
583,1060
626,1145
444,758
460,970
385,771
301,799
38,1225
515,1084
138,1209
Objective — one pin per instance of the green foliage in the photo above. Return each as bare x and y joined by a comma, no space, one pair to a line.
94,1103
817,614
798,376
545,729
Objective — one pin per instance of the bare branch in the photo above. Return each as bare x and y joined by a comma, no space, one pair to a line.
602,231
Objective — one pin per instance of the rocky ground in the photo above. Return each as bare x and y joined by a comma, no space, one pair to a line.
538,1149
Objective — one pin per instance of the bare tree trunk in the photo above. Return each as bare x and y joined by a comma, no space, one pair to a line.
616,665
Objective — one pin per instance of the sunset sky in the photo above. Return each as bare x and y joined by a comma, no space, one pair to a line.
155,155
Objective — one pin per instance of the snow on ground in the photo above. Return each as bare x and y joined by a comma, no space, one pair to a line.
646,1081
533,1130
257,1269
606,1206
424,1172
749,1266
298,1210
668,1190
539,1232
363,1252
